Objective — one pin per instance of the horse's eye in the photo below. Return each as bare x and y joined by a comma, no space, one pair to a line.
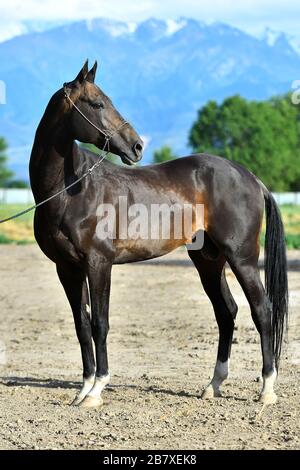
97,105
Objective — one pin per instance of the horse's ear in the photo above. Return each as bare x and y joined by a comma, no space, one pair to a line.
83,72
92,73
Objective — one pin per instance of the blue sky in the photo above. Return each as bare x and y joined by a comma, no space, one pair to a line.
252,16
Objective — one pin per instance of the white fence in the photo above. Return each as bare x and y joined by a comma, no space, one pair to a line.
16,196
287,198
24,196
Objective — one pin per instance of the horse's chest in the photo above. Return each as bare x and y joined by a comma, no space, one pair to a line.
54,242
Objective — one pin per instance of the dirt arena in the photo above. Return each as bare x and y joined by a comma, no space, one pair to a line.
162,347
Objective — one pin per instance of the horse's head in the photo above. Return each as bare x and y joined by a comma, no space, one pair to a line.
93,118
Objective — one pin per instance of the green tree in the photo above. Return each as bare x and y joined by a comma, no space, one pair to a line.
262,136
5,173
163,155
21,184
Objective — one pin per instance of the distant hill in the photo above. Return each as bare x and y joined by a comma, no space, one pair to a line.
158,74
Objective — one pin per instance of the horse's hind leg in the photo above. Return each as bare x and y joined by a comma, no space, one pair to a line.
75,286
212,274
248,276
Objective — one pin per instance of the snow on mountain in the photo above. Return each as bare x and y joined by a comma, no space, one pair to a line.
114,28
174,26
11,29
270,36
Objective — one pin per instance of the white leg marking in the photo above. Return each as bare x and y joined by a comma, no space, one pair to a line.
93,398
86,387
268,395
99,385
220,374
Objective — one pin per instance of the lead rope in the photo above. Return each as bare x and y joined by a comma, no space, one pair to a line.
108,136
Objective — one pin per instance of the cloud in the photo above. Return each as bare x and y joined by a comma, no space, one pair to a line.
74,9
250,15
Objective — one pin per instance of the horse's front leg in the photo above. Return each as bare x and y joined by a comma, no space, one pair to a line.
99,276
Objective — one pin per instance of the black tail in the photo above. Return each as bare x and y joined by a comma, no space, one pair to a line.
276,281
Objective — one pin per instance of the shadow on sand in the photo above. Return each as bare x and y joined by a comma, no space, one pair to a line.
64,384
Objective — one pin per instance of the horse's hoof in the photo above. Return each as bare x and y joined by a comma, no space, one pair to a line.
209,392
76,401
91,402
268,398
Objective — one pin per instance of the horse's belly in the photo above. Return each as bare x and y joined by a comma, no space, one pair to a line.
139,250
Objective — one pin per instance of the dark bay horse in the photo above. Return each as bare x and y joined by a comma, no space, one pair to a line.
66,229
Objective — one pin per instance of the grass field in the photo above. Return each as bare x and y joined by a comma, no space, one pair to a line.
19,231
291,219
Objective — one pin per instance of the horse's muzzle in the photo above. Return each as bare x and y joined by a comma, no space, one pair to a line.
138,149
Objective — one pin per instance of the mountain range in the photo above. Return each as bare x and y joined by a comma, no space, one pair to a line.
158,74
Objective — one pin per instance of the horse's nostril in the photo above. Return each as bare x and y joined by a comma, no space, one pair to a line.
138,148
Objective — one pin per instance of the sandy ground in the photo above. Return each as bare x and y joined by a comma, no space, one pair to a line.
162,346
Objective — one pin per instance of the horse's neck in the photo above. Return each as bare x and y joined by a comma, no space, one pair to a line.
52,150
